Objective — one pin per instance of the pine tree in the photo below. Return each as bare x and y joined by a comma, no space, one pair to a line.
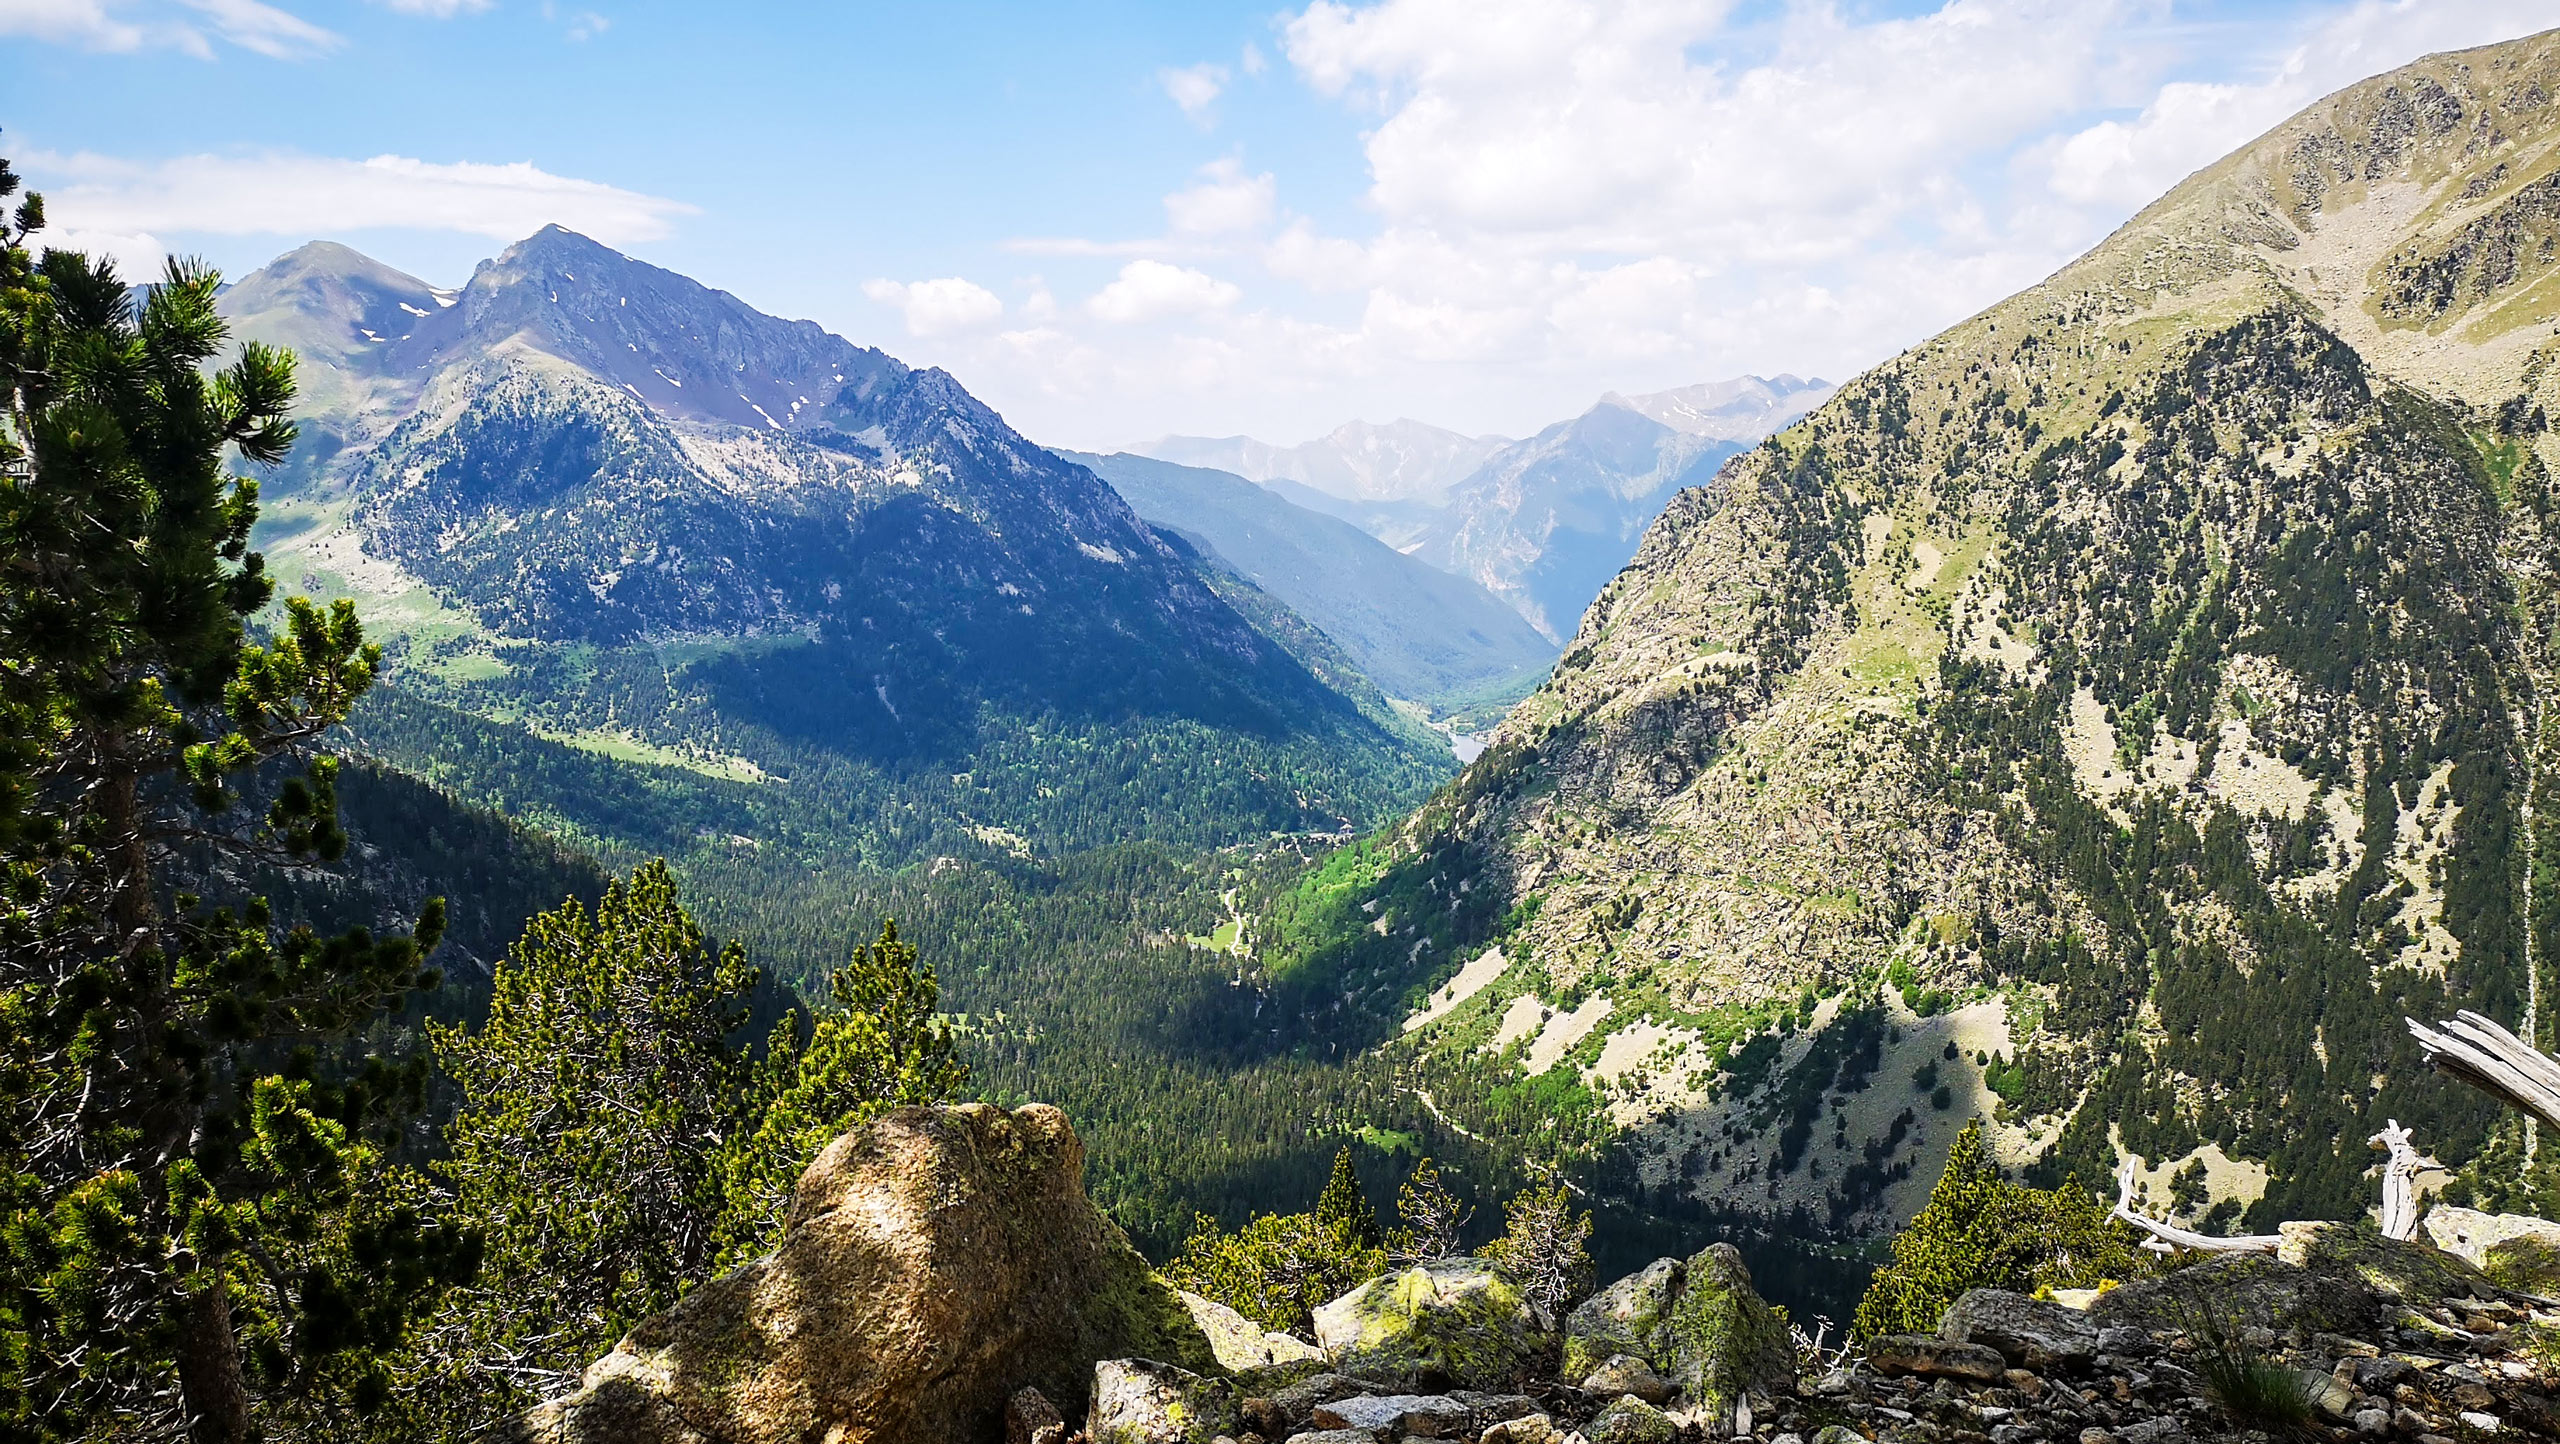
1430,1214
1343,1210
1276,1270
881,1045
617,1144
1979,1230
198,1227
1545,1247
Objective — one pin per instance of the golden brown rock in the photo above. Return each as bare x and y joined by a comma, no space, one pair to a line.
935,1263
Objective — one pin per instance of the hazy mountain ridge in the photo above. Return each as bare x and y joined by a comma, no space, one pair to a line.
1541,522
1547,521
2108,716
1420,632
1743,408
1404,460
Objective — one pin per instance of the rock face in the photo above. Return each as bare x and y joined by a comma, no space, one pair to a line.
2513,1249
1447,1323
935,1263
1239,1343
2253,1289
2029,1333
1896,1354
1698,1323
1139,1401
2395,1270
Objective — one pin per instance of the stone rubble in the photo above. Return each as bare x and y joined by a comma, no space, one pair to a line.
2438,1354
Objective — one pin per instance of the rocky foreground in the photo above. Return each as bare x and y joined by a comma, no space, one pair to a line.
944,1278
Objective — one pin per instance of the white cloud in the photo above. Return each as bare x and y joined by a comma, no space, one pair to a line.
1225,201
133,203
1150,290
1194,87
2188,125
1571,196
435,9
191,26
935,307
1251,60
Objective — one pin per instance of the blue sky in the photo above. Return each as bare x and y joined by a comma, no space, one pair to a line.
1114,221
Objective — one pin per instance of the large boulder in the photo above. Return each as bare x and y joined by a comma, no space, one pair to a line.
2408,1271
2029,1333
2245,1289
1449,1323
2513,1249
933,1263
1628,1318
1698,1322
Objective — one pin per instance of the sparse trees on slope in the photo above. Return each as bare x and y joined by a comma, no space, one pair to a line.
197,1239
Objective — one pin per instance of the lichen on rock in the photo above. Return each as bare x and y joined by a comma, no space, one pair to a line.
1698,1322
1447,1323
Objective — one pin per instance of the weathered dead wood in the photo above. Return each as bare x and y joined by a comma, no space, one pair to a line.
2400,1181
2479,1052
2167,1236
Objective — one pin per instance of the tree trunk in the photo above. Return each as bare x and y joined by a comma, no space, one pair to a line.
211,1387
209,1379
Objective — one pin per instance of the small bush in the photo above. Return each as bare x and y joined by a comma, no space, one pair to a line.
1980,1231
1544,1249
1275,1270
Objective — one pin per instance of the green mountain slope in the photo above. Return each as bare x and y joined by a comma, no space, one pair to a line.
1419,632
669,575
2108,717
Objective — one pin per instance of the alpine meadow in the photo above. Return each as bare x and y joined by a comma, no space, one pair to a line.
584,863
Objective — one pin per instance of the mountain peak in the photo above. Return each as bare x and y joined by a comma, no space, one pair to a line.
1738,408
556,242
687,350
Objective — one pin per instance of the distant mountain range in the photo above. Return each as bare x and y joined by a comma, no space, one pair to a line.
1404,460
609,516
1420,632
1542,523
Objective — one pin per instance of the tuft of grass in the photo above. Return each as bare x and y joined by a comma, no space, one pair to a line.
2249,1386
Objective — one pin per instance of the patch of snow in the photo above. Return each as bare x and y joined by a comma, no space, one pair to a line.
412,310
1102,554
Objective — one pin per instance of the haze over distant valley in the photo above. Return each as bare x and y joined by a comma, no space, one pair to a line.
1543,522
